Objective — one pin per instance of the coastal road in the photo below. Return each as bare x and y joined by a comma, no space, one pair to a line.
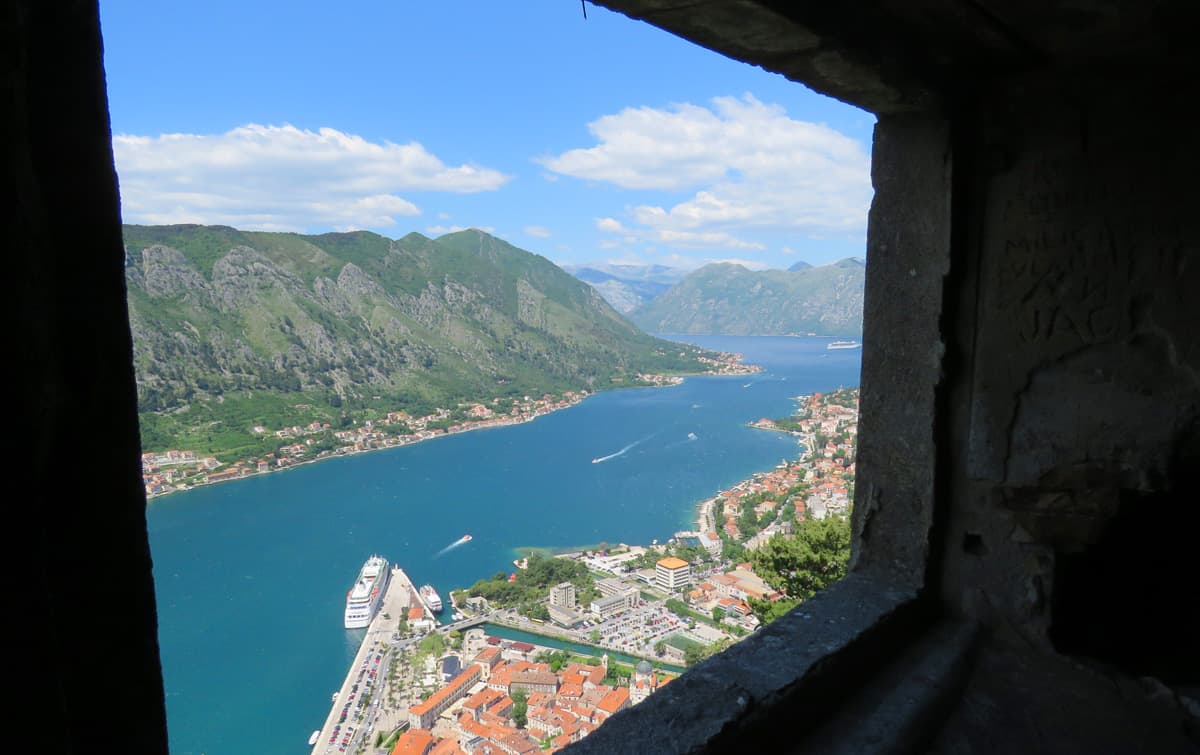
464,624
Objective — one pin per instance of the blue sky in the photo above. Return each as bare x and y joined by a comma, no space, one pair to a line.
597,140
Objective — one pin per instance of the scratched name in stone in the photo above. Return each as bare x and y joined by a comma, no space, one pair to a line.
1059,274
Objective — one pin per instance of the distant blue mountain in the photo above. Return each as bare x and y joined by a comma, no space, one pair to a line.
728,299
627,287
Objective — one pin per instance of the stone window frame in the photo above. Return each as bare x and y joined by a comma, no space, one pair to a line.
804,666
810,664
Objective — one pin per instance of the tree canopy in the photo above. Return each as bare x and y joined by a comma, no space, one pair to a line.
799,565
533,583
520,708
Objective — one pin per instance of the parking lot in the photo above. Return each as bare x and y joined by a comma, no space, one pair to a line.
636,630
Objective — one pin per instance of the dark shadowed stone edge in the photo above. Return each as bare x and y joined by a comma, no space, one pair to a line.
798,670
902,709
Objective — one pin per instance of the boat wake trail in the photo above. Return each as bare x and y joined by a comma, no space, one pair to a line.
461,541
623,451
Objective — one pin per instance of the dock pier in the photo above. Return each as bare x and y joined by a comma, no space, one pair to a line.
355,710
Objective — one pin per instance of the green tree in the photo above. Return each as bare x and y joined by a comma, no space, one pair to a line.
693,654
432,644
594,636
799,565
555,658
767,611
660,647
718,613
520,708
618,675
731,551
679,608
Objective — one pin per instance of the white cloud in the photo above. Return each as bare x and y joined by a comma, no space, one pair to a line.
748,264
282,178
438,230
748,167
610,224
538,231
694,239
681,261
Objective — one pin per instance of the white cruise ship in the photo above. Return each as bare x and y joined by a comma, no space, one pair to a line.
364,598
843,345
431,598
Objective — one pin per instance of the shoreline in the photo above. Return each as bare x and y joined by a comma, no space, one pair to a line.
731,365
704,515
335,455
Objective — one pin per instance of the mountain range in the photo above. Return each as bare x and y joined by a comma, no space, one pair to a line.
729,299
235,328
627,287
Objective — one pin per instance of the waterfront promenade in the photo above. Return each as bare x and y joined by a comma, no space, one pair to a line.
355,712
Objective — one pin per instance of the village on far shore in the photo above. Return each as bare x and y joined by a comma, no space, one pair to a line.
466,688
174,470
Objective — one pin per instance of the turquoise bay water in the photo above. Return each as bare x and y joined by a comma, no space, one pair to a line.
251,575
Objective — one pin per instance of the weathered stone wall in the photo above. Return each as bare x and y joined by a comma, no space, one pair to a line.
908,248
1078,387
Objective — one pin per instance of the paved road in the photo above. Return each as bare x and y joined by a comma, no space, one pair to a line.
367,673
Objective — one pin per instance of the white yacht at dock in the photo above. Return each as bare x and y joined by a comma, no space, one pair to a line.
432,599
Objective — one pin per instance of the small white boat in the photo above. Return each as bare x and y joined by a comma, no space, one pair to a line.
313,739
843,345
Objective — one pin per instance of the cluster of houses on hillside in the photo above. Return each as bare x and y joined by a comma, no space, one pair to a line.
731,592
162,471
776,482
173,470
729,363
827,426
833,418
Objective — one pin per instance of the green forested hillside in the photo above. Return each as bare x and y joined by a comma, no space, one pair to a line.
234,328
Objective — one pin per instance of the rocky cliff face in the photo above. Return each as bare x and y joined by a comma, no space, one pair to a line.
731,300
343,316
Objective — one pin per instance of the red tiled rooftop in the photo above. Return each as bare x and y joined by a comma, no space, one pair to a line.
414,742
446,747
613,701
464,679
